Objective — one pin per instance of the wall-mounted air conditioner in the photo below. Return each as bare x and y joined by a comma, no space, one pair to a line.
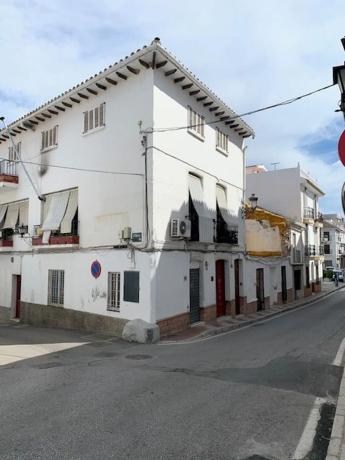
180,228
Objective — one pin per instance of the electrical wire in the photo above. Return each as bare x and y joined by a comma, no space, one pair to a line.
100,171
268,107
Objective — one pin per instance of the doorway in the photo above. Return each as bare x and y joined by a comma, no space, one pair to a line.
260,289
194,294
284,288
18,285
220,288
237,287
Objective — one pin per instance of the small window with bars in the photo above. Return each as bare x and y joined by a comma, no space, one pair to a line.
113,303
94,118
222,141
56,287
196,123
49,138
12,153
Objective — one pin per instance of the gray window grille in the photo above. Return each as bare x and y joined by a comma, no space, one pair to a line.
56,285
113,291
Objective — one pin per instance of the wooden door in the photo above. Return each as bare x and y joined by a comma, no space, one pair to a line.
220,287
284,288
194,294
237,287
18,291
260,289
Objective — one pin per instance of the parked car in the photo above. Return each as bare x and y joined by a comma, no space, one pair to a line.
340,275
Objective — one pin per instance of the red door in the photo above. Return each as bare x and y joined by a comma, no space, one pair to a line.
220,287
18,289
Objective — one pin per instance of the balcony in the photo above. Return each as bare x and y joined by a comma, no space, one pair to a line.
8,174
309,215
296,256
314,251
318,220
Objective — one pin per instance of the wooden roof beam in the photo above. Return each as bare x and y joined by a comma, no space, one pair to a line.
16,130
74,99
62,109
100,86
144,63
224,118
189,85
193,93
177,80
54,112
22,128
67,104
33,121
201,98
83,96
170,72
121,75
133,70
218,114
207,104
46,115
111,81
92,91
212,109
40,118
161,64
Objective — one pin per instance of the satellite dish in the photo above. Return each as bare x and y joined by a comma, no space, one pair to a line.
343,197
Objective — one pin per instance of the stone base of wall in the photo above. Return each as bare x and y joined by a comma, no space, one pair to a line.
49,316
231,306
316,287
251,307
208,313
308,291
5,315
174,324
290,297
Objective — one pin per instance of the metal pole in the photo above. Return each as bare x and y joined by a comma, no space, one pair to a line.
39,196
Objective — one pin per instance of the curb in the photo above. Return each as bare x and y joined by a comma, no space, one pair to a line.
231,327
336,447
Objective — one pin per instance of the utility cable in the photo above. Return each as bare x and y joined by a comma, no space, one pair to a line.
278,104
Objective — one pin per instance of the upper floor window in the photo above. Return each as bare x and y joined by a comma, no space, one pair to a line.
196,123
94,118
49,138
222,141
11,151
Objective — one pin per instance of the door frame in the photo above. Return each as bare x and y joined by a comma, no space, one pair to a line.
220,287
237,278
283,283
194,266
16,296
260,289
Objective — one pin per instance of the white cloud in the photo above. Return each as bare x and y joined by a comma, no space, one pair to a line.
251,53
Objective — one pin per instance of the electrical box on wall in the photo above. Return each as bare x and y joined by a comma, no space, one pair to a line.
127,233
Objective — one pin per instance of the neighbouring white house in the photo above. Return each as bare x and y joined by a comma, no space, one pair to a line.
334,241
109,213
294,194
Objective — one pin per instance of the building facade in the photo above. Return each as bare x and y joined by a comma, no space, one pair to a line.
106,215
333,234
294,194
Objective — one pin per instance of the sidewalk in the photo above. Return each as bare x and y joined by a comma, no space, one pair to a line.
229,323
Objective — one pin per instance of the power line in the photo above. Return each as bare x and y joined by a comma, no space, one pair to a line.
278,104
100,171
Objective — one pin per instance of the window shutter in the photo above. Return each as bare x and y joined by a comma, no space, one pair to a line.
86,122
47,140
55,135
42,142
91,119
50,137
96,117
101,114
19,150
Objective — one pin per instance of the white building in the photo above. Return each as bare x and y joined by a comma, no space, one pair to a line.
334,241
294,194
134,221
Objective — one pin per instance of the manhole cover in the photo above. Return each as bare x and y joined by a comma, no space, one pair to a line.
138,357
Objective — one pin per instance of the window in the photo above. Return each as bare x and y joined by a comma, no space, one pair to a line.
222,141
327,249
94,118
11,152
113,291
49,139
226,231
196,123
56,283
131,287
326,236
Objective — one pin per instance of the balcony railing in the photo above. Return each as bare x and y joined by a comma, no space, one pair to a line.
8,168
312,250
309,213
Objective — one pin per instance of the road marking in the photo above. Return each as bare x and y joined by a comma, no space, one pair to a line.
12,353
293,310
338,360
306,441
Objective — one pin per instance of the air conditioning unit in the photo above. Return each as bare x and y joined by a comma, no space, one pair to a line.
180,228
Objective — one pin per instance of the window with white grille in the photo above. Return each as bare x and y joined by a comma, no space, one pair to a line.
222,141
56,286
49,138
94,118
113,291
11,152
196,123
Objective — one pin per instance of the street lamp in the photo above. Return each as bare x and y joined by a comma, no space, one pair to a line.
339,79
253,200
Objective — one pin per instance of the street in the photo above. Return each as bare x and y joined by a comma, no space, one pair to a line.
247,394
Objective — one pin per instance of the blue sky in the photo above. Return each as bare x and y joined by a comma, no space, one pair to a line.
250,53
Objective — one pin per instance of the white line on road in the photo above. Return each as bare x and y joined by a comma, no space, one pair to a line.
306,442
340,354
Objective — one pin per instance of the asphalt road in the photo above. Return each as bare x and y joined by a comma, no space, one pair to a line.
243,395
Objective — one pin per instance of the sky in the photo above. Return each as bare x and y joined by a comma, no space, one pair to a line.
251,53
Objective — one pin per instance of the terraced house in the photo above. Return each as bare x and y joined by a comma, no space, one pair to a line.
107,214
